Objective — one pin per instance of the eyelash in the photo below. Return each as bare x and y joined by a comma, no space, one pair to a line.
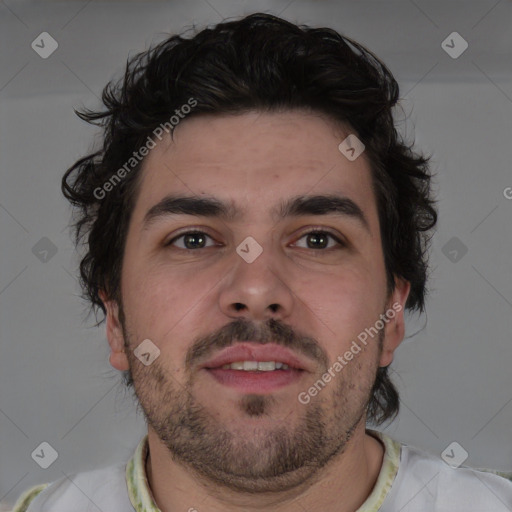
313,230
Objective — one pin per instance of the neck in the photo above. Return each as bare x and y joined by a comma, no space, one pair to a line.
341,486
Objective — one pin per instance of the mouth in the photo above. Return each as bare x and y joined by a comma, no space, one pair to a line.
256,366
251,368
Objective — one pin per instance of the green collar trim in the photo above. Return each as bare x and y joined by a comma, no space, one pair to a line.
139,491
389,469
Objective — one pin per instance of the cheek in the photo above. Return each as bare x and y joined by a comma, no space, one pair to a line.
344,304
345,299
159,303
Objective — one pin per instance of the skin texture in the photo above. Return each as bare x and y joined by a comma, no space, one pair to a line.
213,447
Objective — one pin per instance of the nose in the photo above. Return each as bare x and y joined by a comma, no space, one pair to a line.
257,290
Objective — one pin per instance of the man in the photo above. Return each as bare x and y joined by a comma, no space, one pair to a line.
255,229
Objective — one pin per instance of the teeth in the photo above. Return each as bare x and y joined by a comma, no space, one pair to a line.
262,366
267,366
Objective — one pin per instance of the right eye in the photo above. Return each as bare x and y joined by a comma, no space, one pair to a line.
190,240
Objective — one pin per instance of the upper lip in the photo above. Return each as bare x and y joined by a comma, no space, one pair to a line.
256,352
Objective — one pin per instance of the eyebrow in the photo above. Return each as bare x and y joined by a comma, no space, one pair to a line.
294,207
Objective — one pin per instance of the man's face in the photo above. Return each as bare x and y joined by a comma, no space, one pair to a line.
302,301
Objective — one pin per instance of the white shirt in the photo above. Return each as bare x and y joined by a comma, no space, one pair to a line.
410,480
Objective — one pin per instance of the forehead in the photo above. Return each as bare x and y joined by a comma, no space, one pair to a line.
254,159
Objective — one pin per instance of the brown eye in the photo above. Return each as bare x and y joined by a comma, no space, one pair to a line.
191,240
318,239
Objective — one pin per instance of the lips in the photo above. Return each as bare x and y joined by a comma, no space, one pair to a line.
249,351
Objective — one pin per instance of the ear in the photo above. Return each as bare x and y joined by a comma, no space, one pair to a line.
395,327
115,335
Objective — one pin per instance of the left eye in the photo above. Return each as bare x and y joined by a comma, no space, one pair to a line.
320,239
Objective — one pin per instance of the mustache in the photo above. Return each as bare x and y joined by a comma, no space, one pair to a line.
271,331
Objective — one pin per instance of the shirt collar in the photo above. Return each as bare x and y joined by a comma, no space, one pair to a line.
139,491
388,471
142,498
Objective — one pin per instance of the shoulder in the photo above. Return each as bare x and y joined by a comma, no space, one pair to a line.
103,489
426,481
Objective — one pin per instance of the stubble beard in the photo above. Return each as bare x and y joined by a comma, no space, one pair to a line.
269,459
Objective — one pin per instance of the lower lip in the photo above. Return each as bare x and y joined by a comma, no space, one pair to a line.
255,382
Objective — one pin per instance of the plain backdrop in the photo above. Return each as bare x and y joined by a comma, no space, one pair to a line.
56,384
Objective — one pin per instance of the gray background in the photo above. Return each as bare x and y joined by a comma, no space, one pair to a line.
454,376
